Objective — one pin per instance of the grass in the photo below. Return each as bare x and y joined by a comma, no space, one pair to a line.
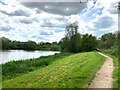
16,68
115,73
74,71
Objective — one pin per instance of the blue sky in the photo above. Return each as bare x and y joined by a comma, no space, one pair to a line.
46,21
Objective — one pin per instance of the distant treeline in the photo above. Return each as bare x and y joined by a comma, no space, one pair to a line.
8,44
110,43
73,42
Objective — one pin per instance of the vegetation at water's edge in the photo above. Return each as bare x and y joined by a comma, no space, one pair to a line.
15,68
8,44
72,42
74,71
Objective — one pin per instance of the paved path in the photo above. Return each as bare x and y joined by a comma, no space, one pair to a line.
103,78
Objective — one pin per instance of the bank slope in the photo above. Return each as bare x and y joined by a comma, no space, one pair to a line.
74,71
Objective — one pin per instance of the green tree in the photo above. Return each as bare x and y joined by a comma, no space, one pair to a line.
54,47
118,43
6,43
71,41
63,44
109,43
108,40
89,43
30,45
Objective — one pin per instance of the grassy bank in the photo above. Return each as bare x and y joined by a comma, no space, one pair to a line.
15,68
74,71
115,73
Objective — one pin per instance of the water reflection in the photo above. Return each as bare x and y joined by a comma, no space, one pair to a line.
10,55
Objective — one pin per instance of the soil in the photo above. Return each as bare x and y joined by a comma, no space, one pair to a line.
103,78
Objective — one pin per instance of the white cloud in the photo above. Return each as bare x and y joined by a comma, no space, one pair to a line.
23,23
63,8
100,23
90,4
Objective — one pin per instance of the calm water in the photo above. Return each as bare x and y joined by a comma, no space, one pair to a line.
10,55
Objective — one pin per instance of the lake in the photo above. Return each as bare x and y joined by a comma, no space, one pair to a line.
10,55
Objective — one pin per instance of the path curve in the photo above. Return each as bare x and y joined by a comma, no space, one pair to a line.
103,78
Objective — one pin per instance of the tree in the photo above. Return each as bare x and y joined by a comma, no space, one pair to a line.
30,45
54,47
71,41
118,43
108,40
75,42
0,43
109,43
89,43
6,43
63,44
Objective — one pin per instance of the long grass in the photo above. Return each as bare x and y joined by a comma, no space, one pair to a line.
115,73
16,68
74,71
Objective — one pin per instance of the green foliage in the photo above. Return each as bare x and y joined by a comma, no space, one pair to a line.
108,40
63,44
16,68
116,71
112,51
29,45
74,42
54,47
71,41
110,43
118,43
89,43
74,71
0,44
6,43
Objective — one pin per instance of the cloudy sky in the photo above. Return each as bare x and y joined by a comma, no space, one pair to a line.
43,20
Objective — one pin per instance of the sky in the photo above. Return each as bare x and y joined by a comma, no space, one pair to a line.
45,20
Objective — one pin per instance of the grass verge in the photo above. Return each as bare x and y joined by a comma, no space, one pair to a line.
115,73
74,71
16,68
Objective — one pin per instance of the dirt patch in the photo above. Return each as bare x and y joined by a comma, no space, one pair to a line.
103,78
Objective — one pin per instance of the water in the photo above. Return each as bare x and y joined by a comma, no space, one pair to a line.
10,55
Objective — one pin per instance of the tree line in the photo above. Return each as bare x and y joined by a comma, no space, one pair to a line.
110,43
8,44
76,42
72,42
